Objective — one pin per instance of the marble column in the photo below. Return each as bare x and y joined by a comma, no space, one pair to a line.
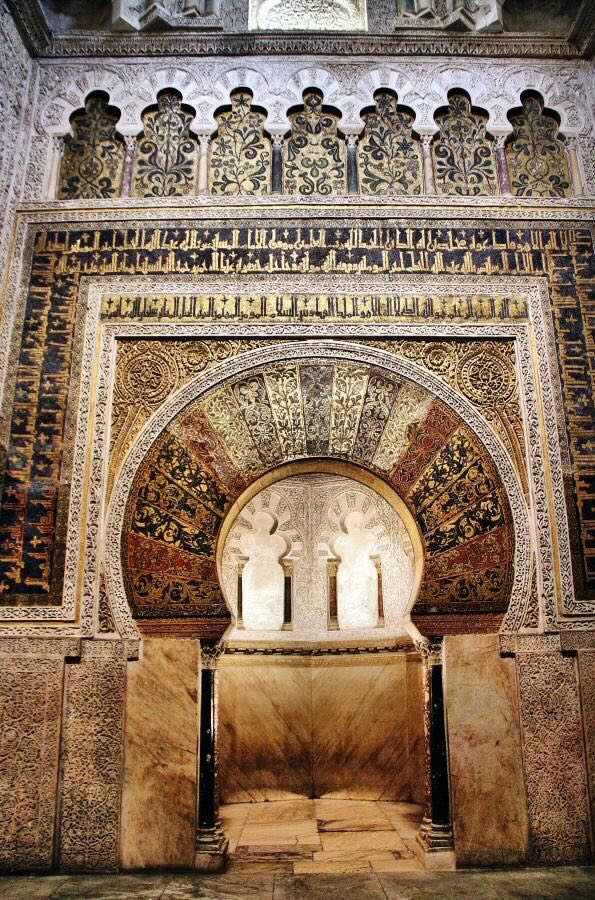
426,147
287,595
277,165
55,160
352,185
130,141
502,166
211,843
575,169
203,163
435,848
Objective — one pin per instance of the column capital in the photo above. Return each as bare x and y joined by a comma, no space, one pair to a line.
210,653
277,139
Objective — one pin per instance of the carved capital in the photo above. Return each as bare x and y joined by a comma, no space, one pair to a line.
210,653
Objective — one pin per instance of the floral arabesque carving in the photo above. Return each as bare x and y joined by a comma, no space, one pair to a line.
536,158
463,154
240,152
314,152
167,153
93,159
389,156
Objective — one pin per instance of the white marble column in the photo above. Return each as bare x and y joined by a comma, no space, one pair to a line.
203,163
574,165
426,147
55,159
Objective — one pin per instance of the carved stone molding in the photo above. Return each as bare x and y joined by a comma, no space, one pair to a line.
554,762
92,758
30,713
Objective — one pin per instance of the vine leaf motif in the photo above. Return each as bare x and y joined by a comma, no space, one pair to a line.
536,157
315,153
167,154
240,160
463,152
389,156
93,160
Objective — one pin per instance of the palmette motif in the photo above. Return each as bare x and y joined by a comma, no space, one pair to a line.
93,160
389,157
537,163
314,152
167,153
463,154
240,152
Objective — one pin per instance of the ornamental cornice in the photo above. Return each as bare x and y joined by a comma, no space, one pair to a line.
406,42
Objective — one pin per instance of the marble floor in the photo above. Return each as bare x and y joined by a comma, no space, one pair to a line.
324,836
560,883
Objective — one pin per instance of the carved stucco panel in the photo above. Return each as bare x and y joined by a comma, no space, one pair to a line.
30,715
554,762
586,665
92,758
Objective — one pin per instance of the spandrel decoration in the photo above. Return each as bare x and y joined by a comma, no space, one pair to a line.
389,155
463,153
314,151
240,152
167,155
93,160
536,157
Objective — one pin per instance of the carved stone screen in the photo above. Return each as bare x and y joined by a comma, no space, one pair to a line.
329,534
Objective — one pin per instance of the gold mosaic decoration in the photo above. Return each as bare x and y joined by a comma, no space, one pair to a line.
167,153
463,154
240,152
149,371
536,158
261,419
389,157
315,157
93,159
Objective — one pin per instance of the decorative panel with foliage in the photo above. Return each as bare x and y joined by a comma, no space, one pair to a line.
93,160
240,156
389,156
315,157
537,162
166,162
463,153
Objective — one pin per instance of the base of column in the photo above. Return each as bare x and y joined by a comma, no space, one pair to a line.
210,854
434,846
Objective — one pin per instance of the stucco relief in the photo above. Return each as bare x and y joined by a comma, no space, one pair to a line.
554,762
278,85
30,716
311,514
92,758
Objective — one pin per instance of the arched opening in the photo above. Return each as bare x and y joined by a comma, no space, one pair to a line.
317,408
320,707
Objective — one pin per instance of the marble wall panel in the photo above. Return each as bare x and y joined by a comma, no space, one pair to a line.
360,741
265,729
30,718
586,664
489,806
554,760
92,746
415,728
160,756
325,728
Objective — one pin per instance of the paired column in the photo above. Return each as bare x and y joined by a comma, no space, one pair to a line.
211,843
502,166
435,847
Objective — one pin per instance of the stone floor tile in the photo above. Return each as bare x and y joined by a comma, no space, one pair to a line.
380,863
331,866
227,885
30,887
359,842
284,811
328,887
113,887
